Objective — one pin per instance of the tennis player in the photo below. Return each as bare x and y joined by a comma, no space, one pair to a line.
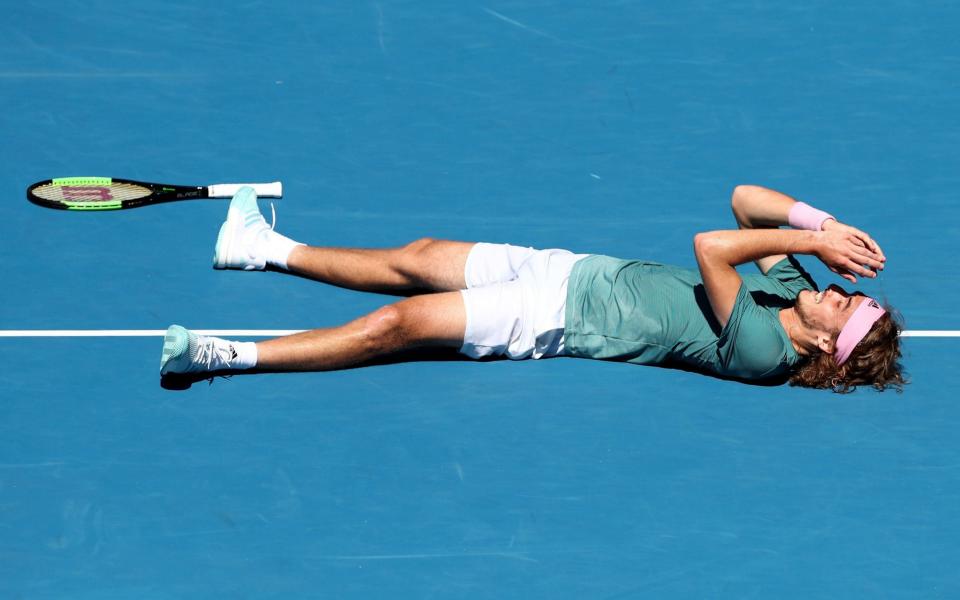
489,300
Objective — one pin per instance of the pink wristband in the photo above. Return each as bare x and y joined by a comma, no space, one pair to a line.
804,216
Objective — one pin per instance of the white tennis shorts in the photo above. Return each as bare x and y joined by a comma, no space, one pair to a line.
516,299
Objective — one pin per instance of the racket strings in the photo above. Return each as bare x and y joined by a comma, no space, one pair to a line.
91,193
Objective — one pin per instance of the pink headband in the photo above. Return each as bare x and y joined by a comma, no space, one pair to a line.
857,327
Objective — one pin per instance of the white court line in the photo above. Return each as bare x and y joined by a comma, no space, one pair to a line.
142,332
930,333
25,333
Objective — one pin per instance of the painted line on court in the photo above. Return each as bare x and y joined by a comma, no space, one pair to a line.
57,333
142,332
930,333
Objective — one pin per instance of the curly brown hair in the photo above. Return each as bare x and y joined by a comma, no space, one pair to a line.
875,361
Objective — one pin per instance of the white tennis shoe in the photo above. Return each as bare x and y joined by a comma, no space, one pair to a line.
243,235
186,352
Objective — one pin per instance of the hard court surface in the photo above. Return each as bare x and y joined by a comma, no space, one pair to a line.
605,127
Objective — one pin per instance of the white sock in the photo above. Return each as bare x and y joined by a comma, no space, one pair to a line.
246,355
276,248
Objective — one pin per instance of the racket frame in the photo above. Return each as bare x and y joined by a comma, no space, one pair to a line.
159,192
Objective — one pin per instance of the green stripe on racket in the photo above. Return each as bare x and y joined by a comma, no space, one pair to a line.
107,193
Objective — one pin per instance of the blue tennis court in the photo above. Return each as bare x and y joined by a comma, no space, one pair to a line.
607,127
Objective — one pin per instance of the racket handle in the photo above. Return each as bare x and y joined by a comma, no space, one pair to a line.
227,190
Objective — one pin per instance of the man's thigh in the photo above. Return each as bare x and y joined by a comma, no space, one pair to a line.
434,319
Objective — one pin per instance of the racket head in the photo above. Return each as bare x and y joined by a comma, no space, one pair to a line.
91,193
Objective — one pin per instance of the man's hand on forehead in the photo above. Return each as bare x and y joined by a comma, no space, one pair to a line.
849,252
869,249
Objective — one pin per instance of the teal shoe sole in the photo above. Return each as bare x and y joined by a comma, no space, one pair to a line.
220,250
176,343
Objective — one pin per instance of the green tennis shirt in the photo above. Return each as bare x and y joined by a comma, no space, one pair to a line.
650,313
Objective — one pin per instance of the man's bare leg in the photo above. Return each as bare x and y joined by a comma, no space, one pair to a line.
432,320
246,242
426,264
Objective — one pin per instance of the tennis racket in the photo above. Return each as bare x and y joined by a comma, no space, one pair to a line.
106,193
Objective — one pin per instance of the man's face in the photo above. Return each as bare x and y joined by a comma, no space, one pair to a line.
828,310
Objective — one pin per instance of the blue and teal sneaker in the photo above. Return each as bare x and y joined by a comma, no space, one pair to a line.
186,352
238,244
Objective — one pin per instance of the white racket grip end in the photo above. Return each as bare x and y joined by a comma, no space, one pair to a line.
227,190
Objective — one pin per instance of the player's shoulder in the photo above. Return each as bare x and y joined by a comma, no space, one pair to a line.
753,343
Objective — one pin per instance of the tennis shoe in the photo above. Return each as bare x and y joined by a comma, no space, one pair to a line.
243,235
186,352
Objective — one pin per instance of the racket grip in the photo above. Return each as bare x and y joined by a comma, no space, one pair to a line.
227,190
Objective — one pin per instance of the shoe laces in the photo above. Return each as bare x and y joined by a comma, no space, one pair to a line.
209,353
209,380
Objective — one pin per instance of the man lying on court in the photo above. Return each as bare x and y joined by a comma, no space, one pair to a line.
502,300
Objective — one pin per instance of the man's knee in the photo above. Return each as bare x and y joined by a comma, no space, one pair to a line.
417,246
385,329
418,249
415,257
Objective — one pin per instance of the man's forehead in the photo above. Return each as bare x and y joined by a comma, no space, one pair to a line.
855,301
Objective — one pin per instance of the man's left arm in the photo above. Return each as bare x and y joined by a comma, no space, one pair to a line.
757,207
